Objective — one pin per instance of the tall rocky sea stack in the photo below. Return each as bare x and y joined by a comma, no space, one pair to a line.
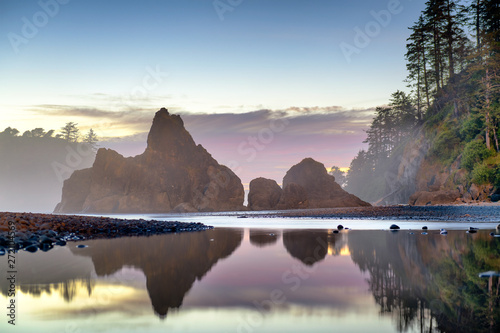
305,185
173,174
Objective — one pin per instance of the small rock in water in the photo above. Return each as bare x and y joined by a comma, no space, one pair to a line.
472,230
271,234
335,231
340,227
424,233
424,227
81,246
498,227
444,232
394,227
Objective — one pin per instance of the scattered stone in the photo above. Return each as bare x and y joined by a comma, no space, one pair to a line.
31,248
444,232
340,227
424,227
394,227
81,246
424,233
335,231
472,230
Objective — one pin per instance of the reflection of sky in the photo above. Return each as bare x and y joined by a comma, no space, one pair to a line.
331,292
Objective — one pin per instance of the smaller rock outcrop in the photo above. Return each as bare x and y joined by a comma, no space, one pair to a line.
264,194
305,185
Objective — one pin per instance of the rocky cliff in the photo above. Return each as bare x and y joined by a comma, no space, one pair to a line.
306,185
173,174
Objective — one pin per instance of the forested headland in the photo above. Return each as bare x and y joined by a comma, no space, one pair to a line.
441,138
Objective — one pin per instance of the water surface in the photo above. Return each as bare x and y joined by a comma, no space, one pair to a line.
261,280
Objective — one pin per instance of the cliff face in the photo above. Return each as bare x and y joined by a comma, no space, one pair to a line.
173,174
421,178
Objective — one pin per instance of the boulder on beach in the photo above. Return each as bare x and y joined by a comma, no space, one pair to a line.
264,194
321,189
172,173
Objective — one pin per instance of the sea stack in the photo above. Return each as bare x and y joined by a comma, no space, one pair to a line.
173,174
306,185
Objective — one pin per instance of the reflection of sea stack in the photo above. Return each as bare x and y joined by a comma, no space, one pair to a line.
309,246
171,263
261,238
173,173
305,185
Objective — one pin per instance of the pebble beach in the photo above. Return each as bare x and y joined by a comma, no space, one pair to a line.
33,232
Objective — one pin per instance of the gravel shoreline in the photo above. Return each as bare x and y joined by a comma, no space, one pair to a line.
454,213
33,232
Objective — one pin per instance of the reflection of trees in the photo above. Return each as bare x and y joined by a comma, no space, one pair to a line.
311,246
67,289
171,263
261,238
431,281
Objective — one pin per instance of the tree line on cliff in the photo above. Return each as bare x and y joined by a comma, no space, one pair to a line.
453,63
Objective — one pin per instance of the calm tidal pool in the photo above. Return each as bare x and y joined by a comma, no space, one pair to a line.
260,280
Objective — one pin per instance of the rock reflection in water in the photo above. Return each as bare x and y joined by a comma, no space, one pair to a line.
171,263
261,238
311,246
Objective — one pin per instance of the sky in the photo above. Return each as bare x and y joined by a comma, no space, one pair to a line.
231,68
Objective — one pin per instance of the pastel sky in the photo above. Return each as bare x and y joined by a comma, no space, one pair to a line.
228,66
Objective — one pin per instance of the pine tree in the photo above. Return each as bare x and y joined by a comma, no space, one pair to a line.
70,132
91,139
